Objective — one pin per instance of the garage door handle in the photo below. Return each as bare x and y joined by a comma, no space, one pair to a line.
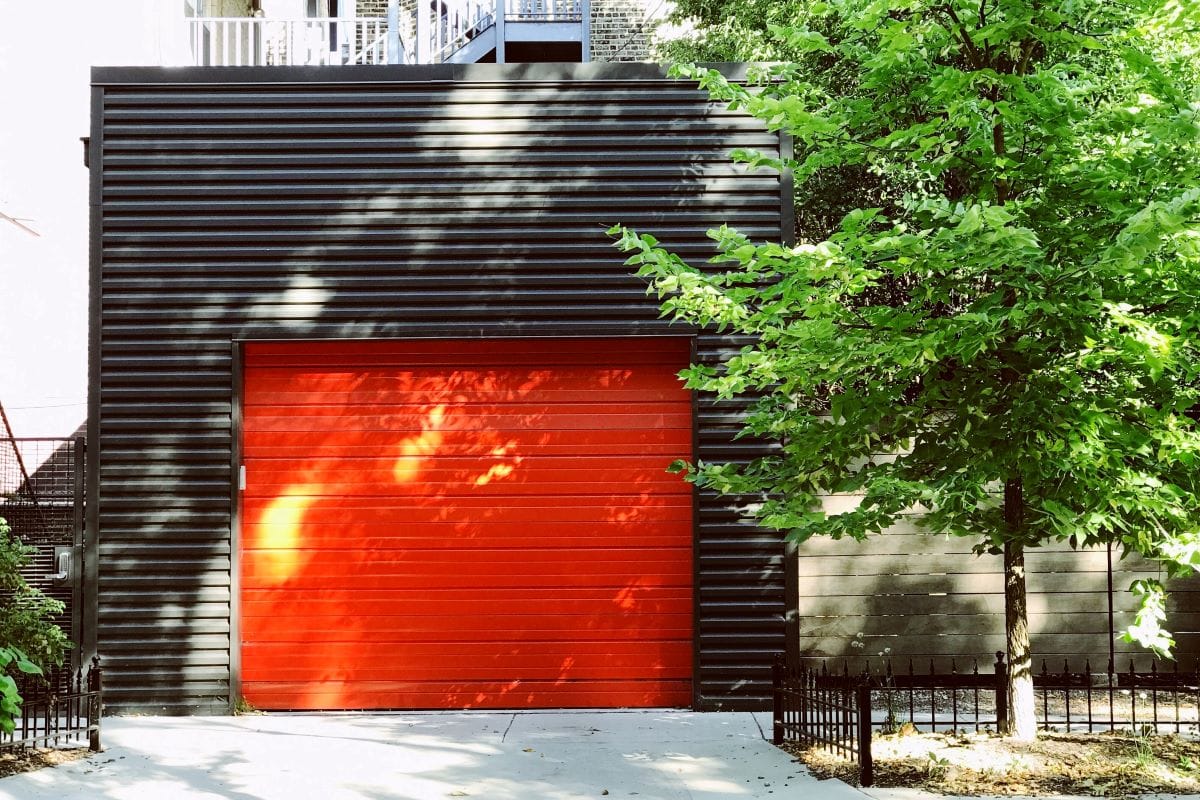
62,562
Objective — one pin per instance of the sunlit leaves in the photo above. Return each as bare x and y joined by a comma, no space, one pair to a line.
998,275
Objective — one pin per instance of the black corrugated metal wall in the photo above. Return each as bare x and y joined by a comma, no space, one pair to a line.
382,202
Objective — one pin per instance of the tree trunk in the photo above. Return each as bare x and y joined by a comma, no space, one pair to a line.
1021,722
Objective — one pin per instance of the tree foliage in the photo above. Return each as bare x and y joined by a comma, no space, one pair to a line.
732,30
1000,324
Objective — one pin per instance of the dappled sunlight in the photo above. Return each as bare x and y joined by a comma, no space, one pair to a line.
498,471
416,449
494,756
698,772
429,526
565,672
279,533
628,597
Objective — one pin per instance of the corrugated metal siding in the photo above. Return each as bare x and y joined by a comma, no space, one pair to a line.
373,203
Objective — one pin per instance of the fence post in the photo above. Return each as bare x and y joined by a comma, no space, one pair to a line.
95,709
866,764
777,700
1001,694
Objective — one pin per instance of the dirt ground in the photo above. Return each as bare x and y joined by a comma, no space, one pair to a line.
1102,765
28,760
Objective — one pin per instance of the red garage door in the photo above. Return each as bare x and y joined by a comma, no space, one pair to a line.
466,524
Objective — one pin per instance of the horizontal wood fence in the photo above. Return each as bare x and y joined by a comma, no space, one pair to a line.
907,593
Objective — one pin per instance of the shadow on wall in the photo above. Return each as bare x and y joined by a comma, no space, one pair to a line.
351,212
908,595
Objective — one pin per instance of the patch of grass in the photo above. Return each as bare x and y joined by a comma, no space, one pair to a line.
13,762
244,707
1100,765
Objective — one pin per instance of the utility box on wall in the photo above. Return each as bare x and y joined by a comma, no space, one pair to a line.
382,300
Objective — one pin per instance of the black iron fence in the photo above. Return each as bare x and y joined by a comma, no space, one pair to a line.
814,710
42,503
54,716
839,710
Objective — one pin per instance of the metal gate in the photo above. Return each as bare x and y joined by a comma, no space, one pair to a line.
41,498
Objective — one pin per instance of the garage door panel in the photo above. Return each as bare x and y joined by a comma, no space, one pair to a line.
438,476
347,604
511,535
375,654
599,507
296,574
475,694
495,627
640,384
465,524
475,669
358,443
439,467
524,594
419,421
628,562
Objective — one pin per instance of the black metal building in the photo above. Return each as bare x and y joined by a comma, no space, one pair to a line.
233,206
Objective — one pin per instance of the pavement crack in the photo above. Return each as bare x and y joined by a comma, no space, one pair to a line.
509,728
758,725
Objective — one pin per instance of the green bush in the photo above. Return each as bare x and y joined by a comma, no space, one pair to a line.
30,642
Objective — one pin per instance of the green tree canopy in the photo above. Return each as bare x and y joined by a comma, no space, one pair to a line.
1000,324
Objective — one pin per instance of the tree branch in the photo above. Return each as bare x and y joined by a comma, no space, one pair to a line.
972,51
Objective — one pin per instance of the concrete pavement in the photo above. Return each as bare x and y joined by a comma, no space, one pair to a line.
645,755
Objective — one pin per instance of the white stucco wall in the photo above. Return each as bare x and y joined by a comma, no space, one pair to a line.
45,55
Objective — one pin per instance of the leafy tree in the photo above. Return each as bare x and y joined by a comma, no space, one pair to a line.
1003,329
731,30
29,640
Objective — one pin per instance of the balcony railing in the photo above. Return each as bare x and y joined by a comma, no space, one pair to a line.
543,10
318,41
435,33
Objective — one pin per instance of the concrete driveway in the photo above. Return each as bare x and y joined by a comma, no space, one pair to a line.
645,755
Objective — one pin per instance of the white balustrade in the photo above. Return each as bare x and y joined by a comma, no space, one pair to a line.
317,41
443,27
544,10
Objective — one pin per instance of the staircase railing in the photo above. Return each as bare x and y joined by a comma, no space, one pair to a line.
456,23
375,52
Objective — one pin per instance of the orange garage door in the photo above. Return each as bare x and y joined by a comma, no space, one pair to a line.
466,524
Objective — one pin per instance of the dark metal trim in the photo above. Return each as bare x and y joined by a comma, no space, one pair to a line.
78,589
697,610
791,600
89,641
530,330
787,193
791,561
235,526
424,73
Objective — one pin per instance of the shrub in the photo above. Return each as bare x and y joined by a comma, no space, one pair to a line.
30,641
